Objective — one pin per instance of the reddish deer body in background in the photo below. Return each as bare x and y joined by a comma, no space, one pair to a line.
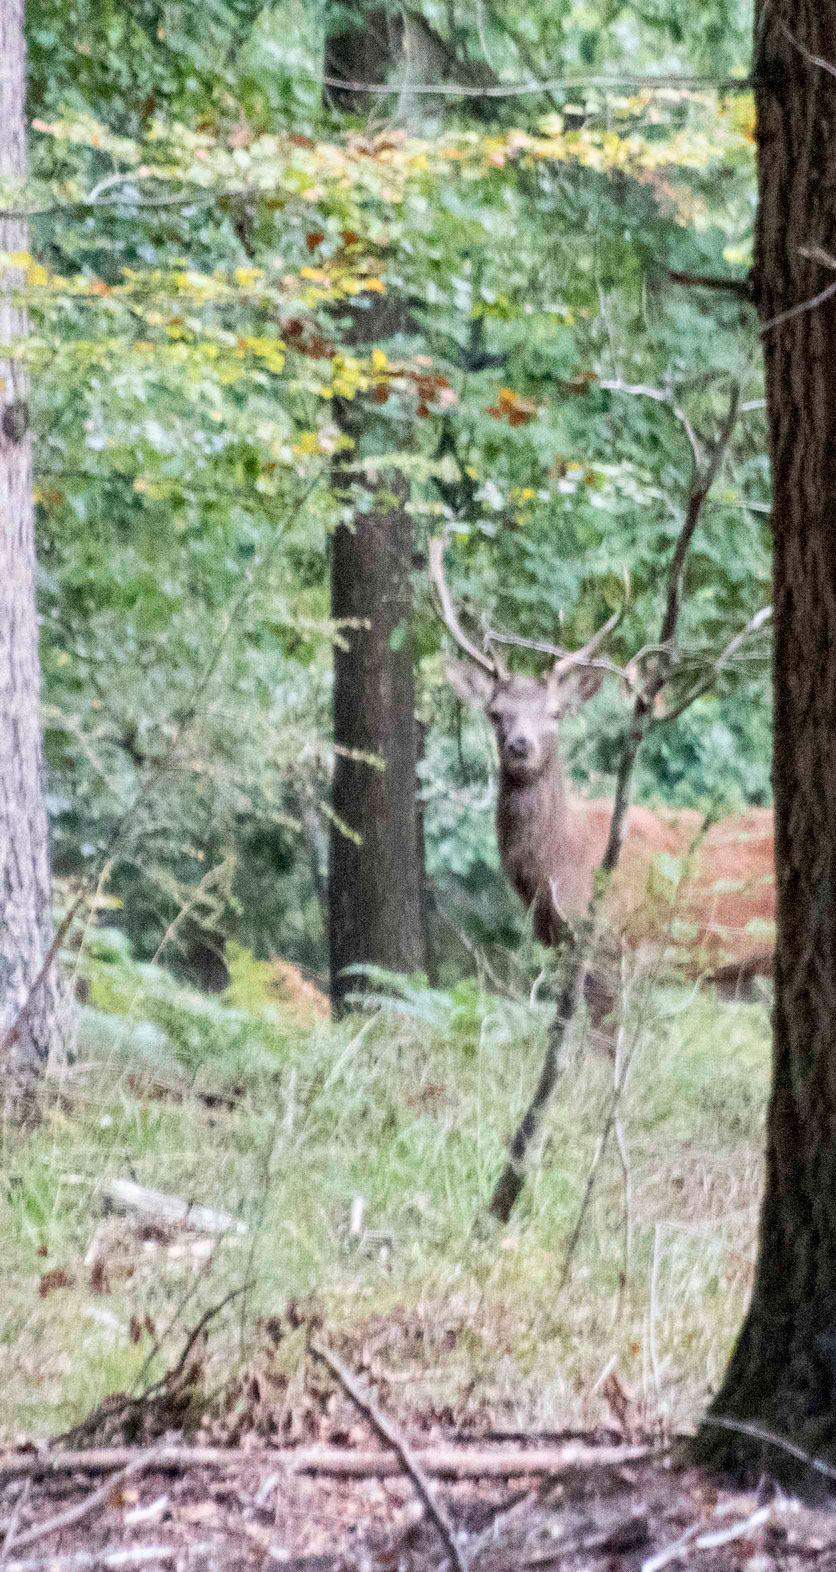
551,842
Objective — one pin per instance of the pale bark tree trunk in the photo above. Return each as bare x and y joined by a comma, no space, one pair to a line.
34,1015
782,1375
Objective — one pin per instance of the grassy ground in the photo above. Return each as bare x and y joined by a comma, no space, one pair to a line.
409,1108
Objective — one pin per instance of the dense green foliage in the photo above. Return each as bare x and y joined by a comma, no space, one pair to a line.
207,239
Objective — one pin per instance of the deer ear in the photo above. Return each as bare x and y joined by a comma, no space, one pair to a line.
569,689
468,682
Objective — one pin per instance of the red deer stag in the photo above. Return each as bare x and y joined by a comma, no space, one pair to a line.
551,842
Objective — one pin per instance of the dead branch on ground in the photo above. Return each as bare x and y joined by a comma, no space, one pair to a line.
98,1560
127,1196
86,1508
441,1462
391,1437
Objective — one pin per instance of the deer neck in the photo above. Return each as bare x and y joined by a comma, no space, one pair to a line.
532,823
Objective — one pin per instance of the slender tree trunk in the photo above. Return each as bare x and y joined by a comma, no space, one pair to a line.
782,1375
376,870
34,1015
376,880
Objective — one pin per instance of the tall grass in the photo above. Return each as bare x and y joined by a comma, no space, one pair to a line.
407,1106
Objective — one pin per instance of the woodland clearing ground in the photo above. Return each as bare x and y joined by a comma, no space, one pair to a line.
411,1111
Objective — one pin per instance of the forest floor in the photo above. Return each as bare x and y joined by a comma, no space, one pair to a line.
332,1184
635,1515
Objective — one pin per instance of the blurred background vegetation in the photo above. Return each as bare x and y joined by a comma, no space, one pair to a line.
209,229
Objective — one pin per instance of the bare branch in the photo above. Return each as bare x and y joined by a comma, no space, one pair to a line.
799,310
700,487
815,60
90,1504
769,1438
542,647
160,769
134,1405
754,625
637,390
581,937
120,1560
742,287
722,84
333,1462
392,1438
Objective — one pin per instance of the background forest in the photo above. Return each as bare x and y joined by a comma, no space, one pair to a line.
250,306
498,297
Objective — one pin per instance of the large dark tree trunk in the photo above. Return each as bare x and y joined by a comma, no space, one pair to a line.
782,1375
375,881
34,1016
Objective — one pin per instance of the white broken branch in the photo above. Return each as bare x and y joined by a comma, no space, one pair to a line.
127,1196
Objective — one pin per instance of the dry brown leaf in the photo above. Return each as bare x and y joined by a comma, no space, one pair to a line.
57,1278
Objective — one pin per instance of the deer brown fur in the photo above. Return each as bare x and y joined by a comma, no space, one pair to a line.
713,923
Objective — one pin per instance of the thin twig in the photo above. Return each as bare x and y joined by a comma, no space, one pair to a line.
654,1278
580,938
113,1411
816,60
753,626
610,1121
741,287
623,1154
724,84
161,767
543,647
674,1552
11,1526
90,1504
392,1438
701,484
99,1560
798,310
769,1438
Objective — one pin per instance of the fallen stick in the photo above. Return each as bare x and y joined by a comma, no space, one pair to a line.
79,1560
442,1462
129,1556
712,1539
403,1452
77,1514
127,1196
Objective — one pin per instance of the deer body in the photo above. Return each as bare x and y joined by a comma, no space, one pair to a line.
714,916
714,923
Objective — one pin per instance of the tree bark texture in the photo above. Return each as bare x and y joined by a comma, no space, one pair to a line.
375,882
37,1013
782,1375
376,912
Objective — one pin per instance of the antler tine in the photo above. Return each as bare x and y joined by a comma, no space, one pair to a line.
448,610
583,656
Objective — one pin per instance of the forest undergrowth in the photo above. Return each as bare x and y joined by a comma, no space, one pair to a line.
360,1159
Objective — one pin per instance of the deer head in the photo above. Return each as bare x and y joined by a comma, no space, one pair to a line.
524,711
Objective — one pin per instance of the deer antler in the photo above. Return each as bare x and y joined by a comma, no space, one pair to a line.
585,656
448,612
